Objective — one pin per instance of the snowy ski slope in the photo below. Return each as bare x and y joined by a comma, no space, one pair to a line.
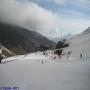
44,72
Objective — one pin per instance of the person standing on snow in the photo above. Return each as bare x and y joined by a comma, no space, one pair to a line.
42,61
81,55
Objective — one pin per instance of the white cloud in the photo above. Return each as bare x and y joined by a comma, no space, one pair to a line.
34,17
27,14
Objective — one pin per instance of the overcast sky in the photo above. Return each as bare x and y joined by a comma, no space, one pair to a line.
49,17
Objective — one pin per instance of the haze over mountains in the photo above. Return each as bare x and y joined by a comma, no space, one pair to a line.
67,37
20,40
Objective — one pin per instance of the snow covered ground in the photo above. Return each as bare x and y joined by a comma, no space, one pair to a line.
80,44
49,72
28,73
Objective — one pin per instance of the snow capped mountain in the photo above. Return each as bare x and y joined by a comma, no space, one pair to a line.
79,44
56,39
87,30
67,37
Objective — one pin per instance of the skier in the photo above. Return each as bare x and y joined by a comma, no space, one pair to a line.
44,53
1,57
42,61
67,56
81,55
54,57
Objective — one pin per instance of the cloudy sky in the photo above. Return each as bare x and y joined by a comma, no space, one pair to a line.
49,17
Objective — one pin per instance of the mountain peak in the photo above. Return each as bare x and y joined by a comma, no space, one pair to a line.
68,36
87,30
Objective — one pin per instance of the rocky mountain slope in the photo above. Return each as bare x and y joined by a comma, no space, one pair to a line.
20,40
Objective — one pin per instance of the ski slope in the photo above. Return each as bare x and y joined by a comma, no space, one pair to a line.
80,44
37,71
28,73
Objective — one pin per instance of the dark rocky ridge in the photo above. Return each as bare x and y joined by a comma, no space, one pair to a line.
20,40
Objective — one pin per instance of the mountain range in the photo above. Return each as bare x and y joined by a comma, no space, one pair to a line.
67,37
20,40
